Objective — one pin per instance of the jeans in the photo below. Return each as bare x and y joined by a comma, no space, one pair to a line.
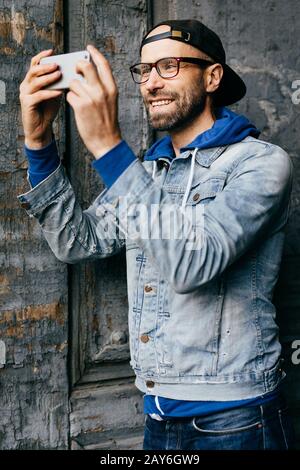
247,428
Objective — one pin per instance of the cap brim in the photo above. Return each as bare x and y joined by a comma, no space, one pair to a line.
231,89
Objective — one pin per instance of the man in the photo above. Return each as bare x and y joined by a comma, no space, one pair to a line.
203,337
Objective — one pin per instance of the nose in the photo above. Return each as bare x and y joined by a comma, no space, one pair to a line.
155,81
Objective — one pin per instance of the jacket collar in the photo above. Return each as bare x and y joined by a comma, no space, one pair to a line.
205,157
208,156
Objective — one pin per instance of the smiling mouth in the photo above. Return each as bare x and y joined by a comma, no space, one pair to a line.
156,104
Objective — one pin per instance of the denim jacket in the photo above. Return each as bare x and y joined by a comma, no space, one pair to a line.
201,318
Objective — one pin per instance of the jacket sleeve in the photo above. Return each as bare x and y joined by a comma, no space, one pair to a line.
253,203
73,234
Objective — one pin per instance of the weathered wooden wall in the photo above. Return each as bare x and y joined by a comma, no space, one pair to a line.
33,284
63,329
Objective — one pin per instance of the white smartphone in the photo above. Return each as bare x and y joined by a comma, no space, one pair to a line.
67,65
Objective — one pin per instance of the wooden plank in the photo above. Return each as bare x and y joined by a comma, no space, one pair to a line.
106,406
104,414
124,439
104,372
33,284
98,290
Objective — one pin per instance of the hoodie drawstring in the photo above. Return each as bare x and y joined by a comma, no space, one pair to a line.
154,169
190,180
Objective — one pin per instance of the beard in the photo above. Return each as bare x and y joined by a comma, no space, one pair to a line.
190,104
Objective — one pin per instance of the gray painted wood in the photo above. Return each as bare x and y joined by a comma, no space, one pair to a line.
33,284
38,292
98,290
107,417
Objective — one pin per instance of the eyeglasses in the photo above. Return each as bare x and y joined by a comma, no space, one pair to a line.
167,67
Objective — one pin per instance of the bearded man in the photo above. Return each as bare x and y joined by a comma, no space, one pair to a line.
203,336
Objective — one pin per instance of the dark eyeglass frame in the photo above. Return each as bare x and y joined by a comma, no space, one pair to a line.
192,60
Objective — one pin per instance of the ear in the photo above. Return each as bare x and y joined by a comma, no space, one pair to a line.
213,77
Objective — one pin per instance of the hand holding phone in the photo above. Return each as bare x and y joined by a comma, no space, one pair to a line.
95,107
67,66
36,119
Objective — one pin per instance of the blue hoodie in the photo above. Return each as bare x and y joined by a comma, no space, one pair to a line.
228,128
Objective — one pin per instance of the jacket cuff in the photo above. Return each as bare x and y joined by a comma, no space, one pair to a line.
114,163
41,162
42,194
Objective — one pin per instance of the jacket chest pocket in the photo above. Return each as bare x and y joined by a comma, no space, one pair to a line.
206,191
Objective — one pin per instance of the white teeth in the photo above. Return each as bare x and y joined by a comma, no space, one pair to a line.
160,103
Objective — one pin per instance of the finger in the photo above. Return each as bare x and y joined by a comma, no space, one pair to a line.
38,70
73,99
40,96
40,82
89,72
78,88
36,59
103,68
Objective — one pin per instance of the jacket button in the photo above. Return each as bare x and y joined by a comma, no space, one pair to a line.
196,197
148,288
25,205
150,384
145,338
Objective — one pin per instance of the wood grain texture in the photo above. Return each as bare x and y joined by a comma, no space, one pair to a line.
107,417
33,284
98,290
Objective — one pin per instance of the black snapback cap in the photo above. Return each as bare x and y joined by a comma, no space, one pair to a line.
232,88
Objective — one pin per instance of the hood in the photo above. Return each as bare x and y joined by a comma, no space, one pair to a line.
228,128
